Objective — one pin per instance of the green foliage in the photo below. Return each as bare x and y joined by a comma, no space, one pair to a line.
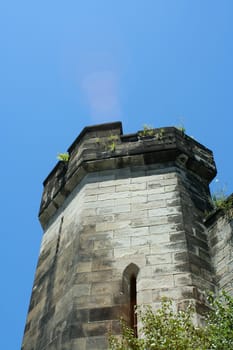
167,329
221,201
160,134
63,157
112,146
162,330
112,140
147,131
109,144
151,132
220,322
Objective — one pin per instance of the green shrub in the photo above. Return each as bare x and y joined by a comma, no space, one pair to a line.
167,329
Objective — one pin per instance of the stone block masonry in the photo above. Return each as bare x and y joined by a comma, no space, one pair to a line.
111,216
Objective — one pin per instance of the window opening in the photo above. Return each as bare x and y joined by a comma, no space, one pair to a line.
129,288
133,303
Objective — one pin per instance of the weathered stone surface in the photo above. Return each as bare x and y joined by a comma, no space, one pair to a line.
220,228
109,215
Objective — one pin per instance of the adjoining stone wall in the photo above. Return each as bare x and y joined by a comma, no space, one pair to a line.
220,231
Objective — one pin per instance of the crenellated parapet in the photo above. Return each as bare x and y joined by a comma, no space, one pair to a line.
105,147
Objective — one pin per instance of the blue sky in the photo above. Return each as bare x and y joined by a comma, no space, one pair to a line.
65,65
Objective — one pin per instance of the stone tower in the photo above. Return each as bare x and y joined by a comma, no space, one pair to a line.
123,225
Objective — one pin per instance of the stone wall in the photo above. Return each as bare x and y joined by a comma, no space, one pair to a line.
220,232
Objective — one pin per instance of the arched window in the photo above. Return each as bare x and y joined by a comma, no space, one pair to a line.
130,290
